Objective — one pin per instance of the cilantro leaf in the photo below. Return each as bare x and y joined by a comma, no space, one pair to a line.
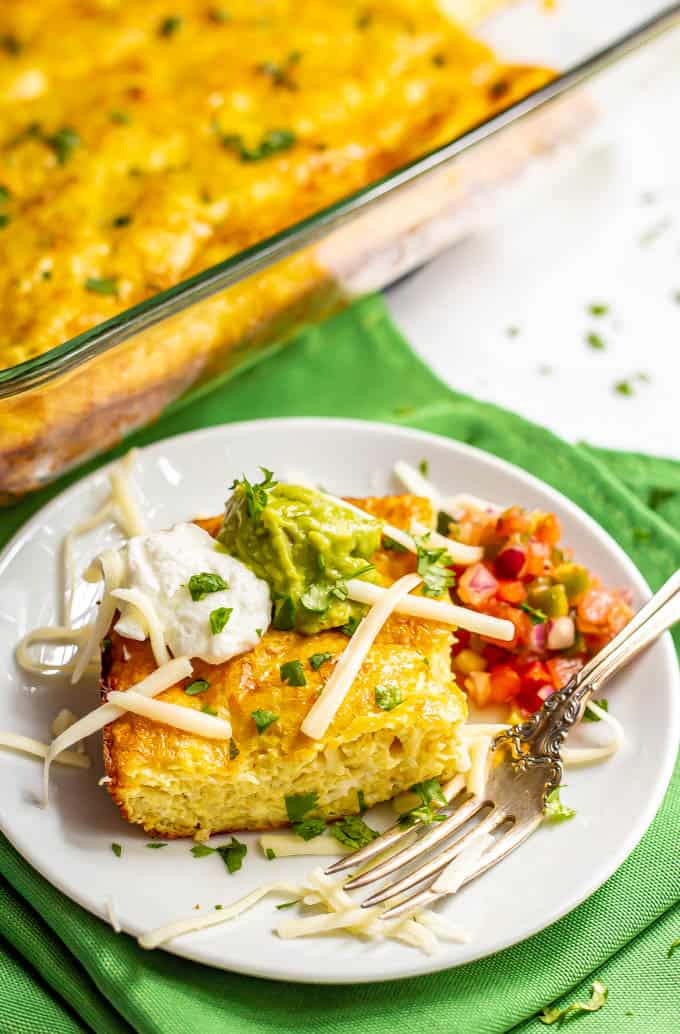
64,142
554,810
255,495
361,798
595,341
284,614
433,567
317,659
444,522
169,26
597,1000
590,716
353,832
350,627
388,697
393,545
270,854
309,828
202,850
200,585
537,616
117,850
298,804
263,719
271,142
101,285
432,798
292,673
315,598
156,846
232,854
197,686
219,619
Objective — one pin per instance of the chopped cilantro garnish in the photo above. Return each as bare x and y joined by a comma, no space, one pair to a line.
317,659
122,220
274,140
233,750
309,828
393,545
169,26
5,194
156,846
554,810
292,673
388,697
202,850
255,495
207,709
537,616
64,142
263,719
624,388
120,118
117,850
200,585
512,331
595,341
424,468
350,626
361,798
353,832
597,1000
218,15
5,219
232,854
280,72
288,904
270,854
298,804
218,907
258,633
598,309
444,522
197,686
10,44
101,285
315,599
219,618
432,798
284,614
590,716
432,566
364,20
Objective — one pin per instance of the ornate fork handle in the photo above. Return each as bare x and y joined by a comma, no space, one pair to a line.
538,741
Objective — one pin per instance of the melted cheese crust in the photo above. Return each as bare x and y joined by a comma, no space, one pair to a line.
174,783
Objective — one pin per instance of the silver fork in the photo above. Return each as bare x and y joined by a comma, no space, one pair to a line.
524,767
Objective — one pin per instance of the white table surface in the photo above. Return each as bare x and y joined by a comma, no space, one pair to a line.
600,223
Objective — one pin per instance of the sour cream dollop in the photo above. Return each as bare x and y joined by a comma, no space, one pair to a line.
159,566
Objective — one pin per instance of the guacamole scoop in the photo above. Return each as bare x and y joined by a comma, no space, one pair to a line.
305,545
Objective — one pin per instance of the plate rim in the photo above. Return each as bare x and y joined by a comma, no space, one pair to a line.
422,965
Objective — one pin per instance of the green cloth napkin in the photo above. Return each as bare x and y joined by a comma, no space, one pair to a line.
61,969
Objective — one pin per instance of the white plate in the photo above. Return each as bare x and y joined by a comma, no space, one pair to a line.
70,843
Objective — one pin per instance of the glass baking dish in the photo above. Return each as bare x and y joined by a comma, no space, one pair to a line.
79,398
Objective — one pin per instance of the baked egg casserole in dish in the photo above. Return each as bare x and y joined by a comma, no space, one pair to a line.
150,147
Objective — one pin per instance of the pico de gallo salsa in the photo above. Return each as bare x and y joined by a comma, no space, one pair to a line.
561,612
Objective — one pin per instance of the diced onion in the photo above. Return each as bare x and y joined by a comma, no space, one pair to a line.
171,930
435,610
26,745
186,718
153,684
289,845
338,685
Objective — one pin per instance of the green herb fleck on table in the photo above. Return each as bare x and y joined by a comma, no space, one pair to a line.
219,619
432,798
263,719
309,828
624,388
255,494
292,673
101,285
388,697
317,659
512,331
201,585
537,616
288,904
117,850
554,810
597,1000
590,716
202,850
598,309
232,854
595,341
156,846
353,832
195,687
424,468
169,26
432,566
64,142
218,907
270,854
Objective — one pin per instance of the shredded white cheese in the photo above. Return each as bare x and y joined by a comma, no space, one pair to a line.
415,482
153,684
58,634
459,552
111,564
141,602
289,845
476,776
338,685
27,745
586,755
435,610
189,719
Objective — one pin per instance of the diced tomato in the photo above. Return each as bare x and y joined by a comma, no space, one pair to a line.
538,559
536,674
548,529
493,654
511,592
519,619
513,522
530,699
462,640
505,684
600,612
562,668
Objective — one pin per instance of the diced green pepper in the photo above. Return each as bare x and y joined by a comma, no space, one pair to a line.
551,599
574,578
